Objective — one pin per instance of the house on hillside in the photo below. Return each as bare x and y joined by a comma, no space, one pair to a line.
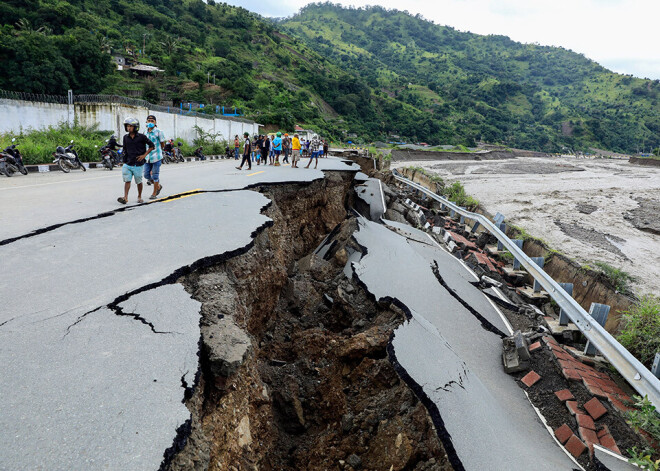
143,70
122,61
305,134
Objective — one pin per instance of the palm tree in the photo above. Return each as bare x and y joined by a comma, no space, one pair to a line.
170,44
23,26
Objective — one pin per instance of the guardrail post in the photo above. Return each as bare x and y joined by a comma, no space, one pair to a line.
498,219
655,369
516,262
501,227
475,227
599,312
539,261
563,317
452,213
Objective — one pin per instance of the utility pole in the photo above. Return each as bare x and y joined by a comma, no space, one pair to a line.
208,77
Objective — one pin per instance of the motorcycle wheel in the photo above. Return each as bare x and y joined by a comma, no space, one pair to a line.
6,171
181,159
63,165
108,163
80,164
23,170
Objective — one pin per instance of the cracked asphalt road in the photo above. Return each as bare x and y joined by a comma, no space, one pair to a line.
97,341
453,357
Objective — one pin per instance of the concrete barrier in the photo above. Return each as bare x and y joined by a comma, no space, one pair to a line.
17,115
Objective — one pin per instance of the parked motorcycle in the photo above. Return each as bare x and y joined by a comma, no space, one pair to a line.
178,153
67,158
106,157
11,161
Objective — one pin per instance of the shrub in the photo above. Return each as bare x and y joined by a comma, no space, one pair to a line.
456,193
640,329
38,146
619,278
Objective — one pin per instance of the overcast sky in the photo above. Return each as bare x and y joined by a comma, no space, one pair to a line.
622,35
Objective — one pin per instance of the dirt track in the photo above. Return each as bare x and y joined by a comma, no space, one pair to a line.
590,209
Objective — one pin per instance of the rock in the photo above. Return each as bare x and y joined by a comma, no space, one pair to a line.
355,461
365,343
341,257
226,346
347,422
243,431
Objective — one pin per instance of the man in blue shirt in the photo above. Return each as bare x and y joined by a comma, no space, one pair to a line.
277,147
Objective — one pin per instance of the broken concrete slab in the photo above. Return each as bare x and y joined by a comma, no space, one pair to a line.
226,345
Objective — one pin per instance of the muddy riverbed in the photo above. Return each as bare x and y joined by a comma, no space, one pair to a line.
593,210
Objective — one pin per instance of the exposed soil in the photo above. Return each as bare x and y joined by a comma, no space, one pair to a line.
302,380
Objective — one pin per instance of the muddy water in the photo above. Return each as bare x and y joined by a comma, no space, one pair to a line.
548,197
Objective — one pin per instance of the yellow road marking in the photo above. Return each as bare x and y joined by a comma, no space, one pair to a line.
183,195
256,173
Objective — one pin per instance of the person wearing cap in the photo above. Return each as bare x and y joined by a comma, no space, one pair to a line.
277,147
296,151
136,148
155,157
247,151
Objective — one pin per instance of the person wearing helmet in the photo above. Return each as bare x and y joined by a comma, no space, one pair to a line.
136,148
277,147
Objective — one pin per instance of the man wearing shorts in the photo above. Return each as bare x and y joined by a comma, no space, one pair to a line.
136,148
155,157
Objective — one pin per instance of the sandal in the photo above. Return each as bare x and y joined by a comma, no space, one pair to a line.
160,188
122,200
153,197
140,200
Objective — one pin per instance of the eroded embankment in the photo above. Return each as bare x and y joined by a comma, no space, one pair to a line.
294,368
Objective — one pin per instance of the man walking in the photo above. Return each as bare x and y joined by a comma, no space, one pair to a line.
136,148
155,157
237,145
286,148
247,151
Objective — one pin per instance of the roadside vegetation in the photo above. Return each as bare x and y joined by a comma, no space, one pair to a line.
38,146
640,329
644,418
619,278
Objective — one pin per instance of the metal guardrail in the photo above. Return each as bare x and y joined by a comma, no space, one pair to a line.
637,375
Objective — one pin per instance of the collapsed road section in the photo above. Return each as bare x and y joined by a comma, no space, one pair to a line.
272,329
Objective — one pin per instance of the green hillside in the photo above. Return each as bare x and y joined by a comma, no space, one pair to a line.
372,72
487,87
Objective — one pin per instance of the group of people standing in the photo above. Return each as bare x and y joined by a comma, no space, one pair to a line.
143,154
267,150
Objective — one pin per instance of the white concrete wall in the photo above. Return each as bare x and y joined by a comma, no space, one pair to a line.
15,114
